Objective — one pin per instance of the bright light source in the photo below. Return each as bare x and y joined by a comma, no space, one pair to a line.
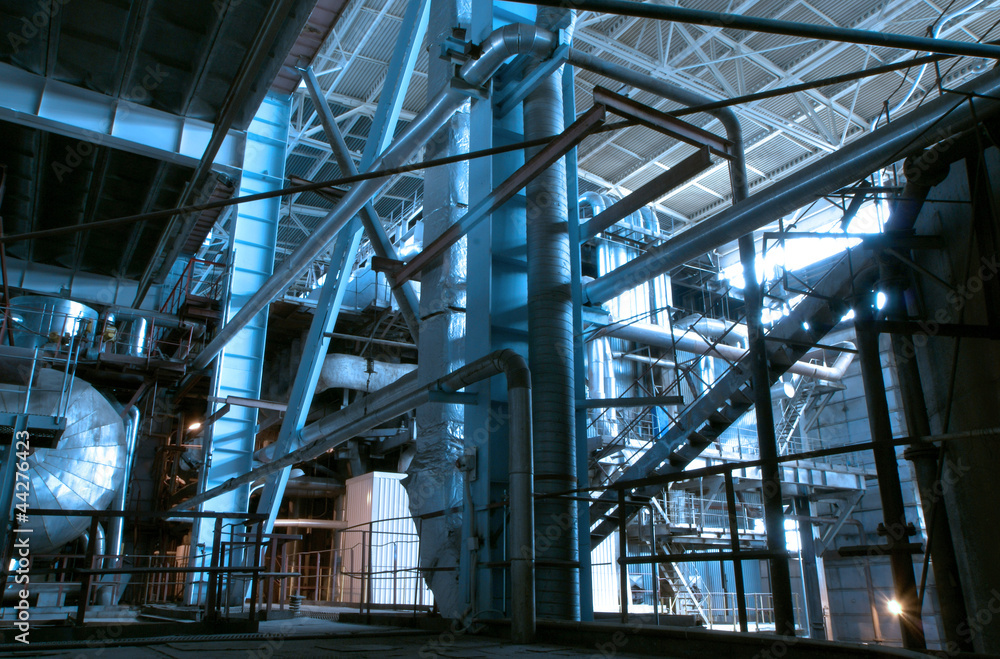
805,325
194,426
880,300
789,389
895,608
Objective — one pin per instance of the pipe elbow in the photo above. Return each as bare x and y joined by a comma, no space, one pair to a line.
505,42
515,368
844,360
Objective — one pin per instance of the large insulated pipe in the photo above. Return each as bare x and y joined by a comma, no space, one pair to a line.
661,337
401,397
358,373
938,120
550,354
501,44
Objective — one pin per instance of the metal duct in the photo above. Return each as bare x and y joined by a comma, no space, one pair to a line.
602,383
938,120
86,467
661,337
352,372
550,355
501,44
433,484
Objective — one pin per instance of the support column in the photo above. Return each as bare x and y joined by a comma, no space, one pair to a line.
814,582
770,470
229,442
887,467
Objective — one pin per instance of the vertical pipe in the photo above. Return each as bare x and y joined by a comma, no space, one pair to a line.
770,470
624,592
522,522
887,468
550,353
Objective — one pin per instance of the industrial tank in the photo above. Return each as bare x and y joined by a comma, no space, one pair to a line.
83,470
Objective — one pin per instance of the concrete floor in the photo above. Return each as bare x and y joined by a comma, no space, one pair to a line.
304,638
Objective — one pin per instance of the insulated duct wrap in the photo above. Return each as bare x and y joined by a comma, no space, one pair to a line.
433,484
83,470
352,372
550,351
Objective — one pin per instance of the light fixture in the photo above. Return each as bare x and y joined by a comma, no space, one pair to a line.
194,426
895,608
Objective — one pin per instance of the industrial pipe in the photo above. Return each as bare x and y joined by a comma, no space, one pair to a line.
776,26
401,397
550,348
661,337
358,373
505,42
116,524
940,119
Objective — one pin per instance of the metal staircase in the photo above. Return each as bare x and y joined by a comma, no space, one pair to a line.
793,410
688,600
698,426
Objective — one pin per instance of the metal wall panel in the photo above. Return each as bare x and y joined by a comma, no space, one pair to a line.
381,541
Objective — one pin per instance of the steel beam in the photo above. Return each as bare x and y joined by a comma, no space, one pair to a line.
664,123
647,193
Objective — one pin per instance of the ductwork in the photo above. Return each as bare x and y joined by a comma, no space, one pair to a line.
661,337
501,44
352,372
84,470
937,120
602,383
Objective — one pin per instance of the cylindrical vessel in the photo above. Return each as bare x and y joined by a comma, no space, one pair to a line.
83,470
37,318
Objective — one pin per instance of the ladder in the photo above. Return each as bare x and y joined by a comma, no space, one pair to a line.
804,394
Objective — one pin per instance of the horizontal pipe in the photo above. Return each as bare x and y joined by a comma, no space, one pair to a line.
662,337
938,120
312,523
636,401
774,26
